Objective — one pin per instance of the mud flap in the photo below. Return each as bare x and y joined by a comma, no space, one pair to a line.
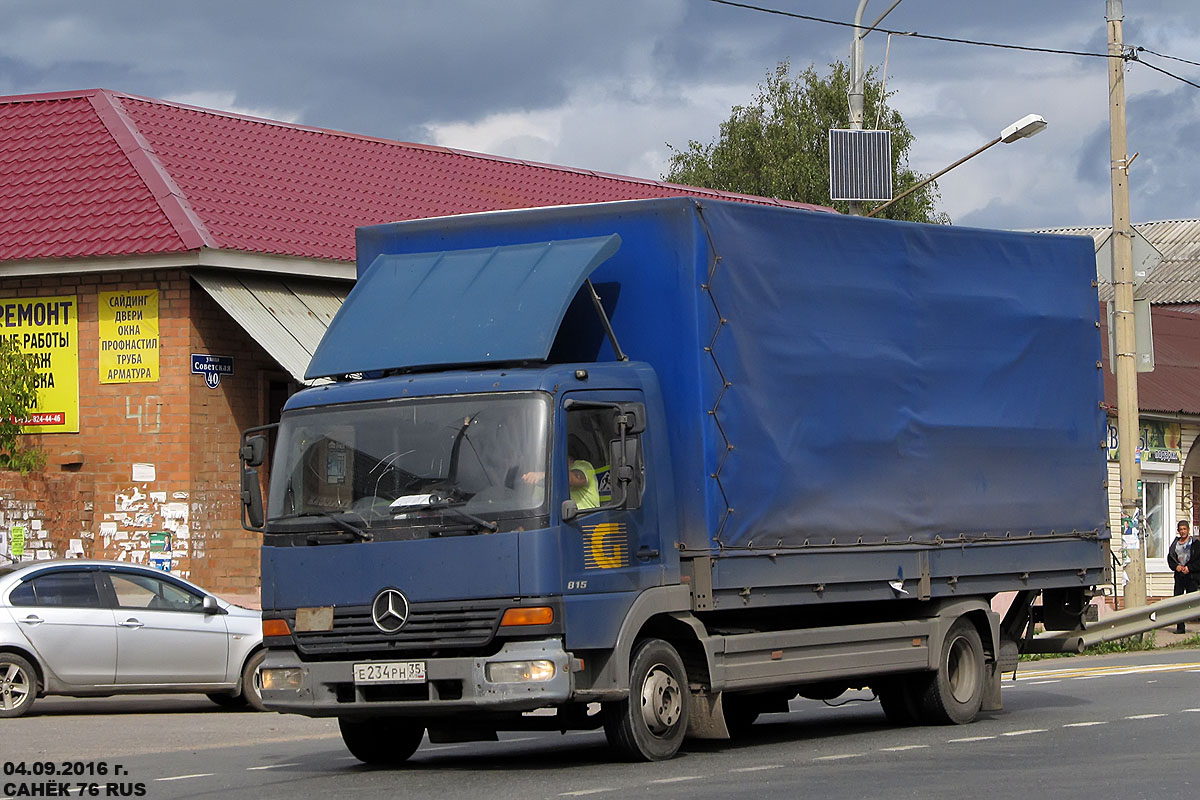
992,701
706,716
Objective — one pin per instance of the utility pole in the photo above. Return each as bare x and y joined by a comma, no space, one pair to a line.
857,74
1128,433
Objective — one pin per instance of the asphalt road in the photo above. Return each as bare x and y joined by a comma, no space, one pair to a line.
1118,726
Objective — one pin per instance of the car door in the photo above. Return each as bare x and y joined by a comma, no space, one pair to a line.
73,633
163,635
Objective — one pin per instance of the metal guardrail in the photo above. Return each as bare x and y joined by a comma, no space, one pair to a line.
1118,625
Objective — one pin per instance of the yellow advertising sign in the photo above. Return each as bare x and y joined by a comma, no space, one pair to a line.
129,336
46,327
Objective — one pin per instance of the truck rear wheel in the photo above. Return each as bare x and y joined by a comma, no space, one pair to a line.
955,693
650,724
383,741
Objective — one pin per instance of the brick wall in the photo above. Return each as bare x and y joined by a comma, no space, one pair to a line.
182,436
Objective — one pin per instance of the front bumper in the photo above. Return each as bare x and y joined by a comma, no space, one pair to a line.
452,685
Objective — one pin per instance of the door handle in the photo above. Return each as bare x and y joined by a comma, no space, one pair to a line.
32,620
645,553
130,623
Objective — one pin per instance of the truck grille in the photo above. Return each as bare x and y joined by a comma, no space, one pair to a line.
430,626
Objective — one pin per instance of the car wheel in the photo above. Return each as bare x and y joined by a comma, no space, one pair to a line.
651,723
383,741
18,685
252,681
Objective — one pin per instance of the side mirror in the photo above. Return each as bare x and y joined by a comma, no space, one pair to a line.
569,510
254,451
252,501
209,605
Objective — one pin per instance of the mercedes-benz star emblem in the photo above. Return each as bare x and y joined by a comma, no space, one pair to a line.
389,612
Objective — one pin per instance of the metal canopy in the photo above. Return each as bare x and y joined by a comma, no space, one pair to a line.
457,307
287,317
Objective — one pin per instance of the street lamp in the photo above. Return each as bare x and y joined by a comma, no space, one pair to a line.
1021,129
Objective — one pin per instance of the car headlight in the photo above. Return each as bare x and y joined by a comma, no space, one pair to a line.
520,671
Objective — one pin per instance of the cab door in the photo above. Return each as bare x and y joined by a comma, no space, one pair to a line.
605,548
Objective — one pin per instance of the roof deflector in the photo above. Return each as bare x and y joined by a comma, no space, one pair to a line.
458,307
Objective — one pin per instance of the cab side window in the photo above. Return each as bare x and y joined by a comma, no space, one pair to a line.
591,434
152,594
68,589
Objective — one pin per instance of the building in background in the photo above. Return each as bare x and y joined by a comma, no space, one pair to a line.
173,268
1168,397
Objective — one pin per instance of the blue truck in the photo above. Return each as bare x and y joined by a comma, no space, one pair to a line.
661,466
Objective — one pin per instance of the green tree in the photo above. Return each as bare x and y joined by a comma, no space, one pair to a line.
18,396
778,145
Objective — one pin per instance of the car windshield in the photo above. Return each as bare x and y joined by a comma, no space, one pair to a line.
390,463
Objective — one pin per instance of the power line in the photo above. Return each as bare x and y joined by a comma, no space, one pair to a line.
1129,55
1164,72
914,34
1173,58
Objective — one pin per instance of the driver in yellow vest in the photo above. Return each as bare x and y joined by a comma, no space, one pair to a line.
582,479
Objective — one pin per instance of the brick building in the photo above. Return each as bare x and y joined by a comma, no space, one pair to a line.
174,267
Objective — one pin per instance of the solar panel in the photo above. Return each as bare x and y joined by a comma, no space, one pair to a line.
860,165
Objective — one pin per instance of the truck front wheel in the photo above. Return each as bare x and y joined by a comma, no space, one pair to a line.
955,693
383,741
649,726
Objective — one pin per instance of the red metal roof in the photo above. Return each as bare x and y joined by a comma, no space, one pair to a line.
99,173
1174,385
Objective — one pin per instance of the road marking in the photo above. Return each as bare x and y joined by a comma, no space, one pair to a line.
971,739
582,792
1043,683
904,747
680,779
1079,672
185,777
1084,724
1022,733
757,769
274,766
522,739
838,757
1145,716
1186,710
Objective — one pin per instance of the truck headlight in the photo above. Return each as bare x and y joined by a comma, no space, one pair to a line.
520,671
280,679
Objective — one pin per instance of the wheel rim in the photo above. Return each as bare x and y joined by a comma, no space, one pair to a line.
662,702
963,665
15,686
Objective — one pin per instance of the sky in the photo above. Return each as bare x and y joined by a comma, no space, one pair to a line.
606,85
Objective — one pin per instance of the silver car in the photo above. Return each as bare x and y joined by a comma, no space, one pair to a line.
99,628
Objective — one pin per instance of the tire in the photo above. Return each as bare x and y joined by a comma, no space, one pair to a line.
383,741
251,695
18,685
955,692
226,700
901,700
651,723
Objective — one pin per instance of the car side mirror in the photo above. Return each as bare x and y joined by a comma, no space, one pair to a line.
209,605
570,510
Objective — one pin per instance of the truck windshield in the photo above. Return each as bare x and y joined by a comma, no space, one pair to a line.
414,462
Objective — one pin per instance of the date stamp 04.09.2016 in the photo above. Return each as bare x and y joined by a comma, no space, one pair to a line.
68,779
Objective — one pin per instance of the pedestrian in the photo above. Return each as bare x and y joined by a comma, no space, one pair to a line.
1184,560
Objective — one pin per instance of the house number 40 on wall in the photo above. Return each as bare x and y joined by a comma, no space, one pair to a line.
148,414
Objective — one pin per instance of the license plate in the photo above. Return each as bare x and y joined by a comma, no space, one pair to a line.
390,672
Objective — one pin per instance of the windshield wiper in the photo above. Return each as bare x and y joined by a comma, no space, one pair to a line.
479,522
317,538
